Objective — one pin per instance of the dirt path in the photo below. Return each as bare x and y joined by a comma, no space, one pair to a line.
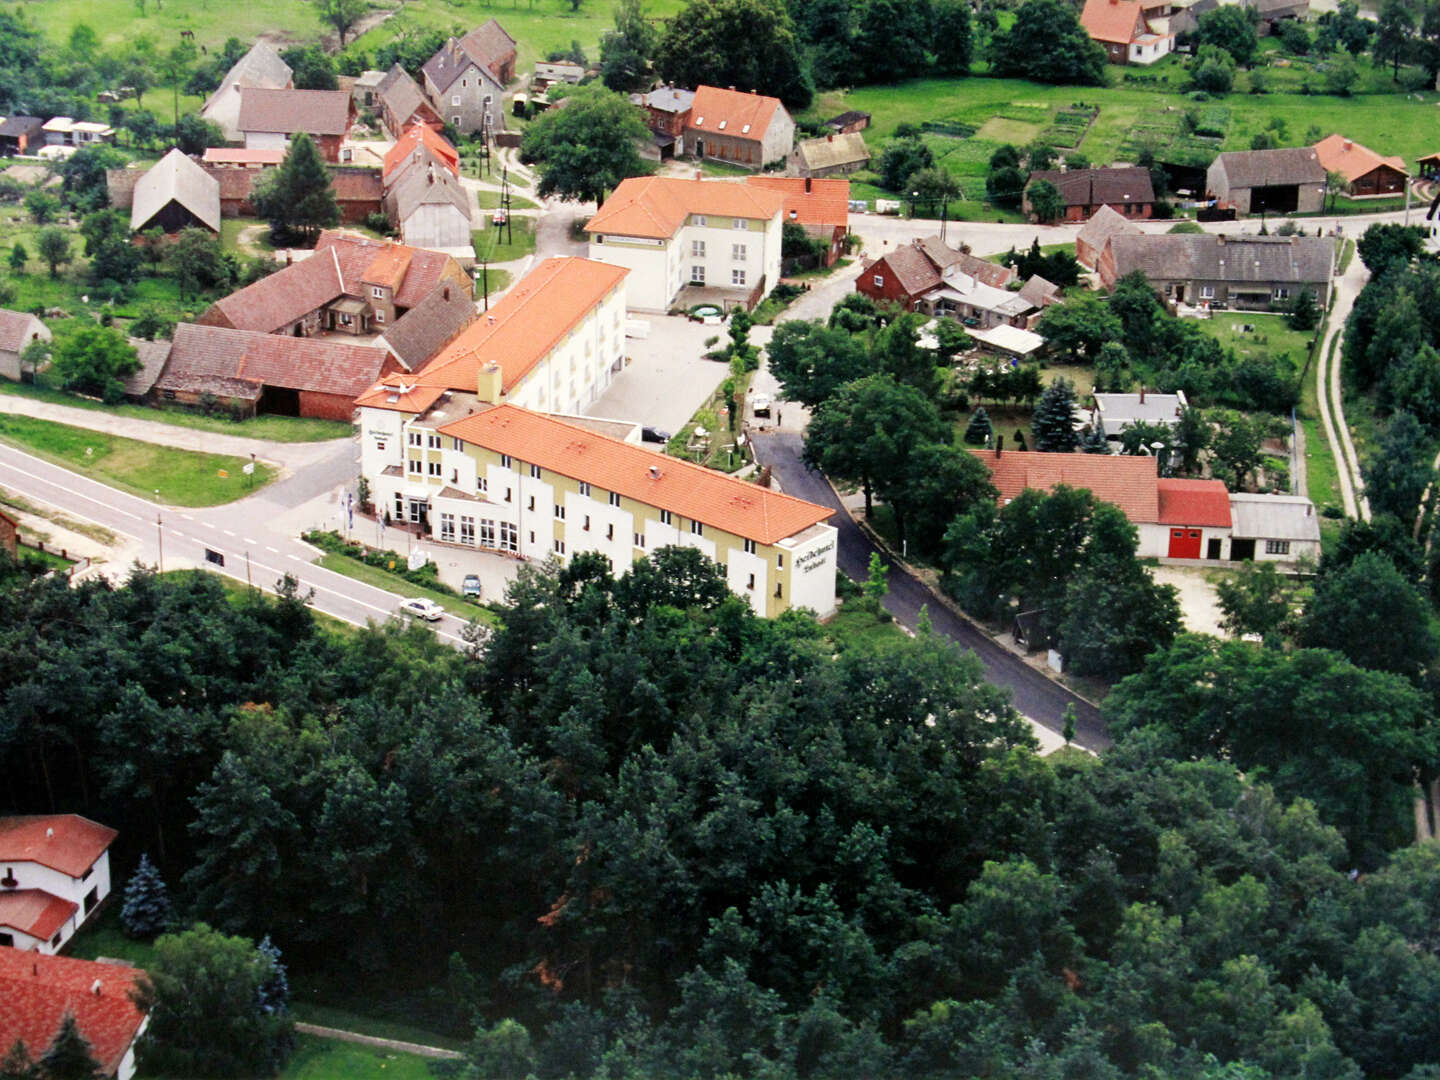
1328,392
380,1044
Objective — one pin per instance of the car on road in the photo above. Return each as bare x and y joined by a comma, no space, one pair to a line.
760,405
419,608
651,434
470,587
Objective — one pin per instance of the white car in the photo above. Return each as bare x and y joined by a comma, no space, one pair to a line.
760,405
420,608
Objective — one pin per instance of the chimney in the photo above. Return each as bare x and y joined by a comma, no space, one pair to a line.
730,88
807,185
654,472
95,988
829,138
752,90
999,445
1349,145
487,384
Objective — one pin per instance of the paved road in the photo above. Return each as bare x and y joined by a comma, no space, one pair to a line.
1035,695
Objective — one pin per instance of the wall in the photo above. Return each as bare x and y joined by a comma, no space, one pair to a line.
654,267
322,406
890,291
437,225
382,443
32,875
808,578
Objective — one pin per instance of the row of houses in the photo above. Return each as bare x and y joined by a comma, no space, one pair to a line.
931,277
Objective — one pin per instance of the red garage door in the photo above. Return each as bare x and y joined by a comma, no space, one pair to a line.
1184,543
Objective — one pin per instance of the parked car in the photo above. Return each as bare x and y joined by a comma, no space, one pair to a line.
650,434
470,587
760,406
420,608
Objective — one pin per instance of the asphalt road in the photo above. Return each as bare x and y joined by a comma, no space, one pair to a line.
1038,697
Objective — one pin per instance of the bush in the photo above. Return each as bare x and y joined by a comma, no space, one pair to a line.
427,577
379,222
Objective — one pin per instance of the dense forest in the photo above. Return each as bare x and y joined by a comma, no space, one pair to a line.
667,838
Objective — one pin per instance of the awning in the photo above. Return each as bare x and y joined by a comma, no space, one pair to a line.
351,305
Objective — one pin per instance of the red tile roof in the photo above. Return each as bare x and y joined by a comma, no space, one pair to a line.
417,135
1127,481
823,202
1193,502
739,115
68,843
691,491
1112,20
15,328
388,267
529,321
489,46
656,206
400,394
316,112
355,254
1351,160
202,357
34,912
283,297
36,992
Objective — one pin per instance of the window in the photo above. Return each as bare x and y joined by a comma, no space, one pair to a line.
535,472
609,532
697,275
433,441
614,498
509,537
1277,547
779,560
7,940
751,583
487,533
697,529
447,528
379,316
560,511
584,488
665,518
55,942
481,484
559,547
454,99
640,540
532,503
741,223
399,506
415,466
467,529
697,248
455,120
698,219
737,252
505,462
1281,293
169,395
507,494
454,443
413,438
432,468
777,590
737,277
377,292
1207,292
749,547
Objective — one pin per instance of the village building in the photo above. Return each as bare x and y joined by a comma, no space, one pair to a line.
1366,172
466,78
831,155
848,122
269,118
411,146
820,207
237,157
428,205
364,89
17,330
742,129
403,104
56,872
667,112
1113,413
1126,31
260,68
1283,181
21,135
1092,240
1083,192
930,277
419,335
64,131
1256,273
690,241
174,194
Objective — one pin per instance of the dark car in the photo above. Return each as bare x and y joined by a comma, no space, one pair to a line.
650,434
470,588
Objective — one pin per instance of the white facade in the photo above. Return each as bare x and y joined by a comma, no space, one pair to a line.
439,226
1149,48
267,140
85,892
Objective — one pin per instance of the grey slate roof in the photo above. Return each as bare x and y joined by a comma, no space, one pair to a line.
1265,168
153,355
419,335
1038,292
175,177
1103,224
449,61
1090,187
425,182
261,66
15,126
669,99
1240,259
400,93
1273,517
829,151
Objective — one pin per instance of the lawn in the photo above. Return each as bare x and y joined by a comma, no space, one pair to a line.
381,579
98,533
345,1020
1322,476
718,453
1270,334
853,626
513,241
182,477
117,22
489,200
272,428
494,281
330,1059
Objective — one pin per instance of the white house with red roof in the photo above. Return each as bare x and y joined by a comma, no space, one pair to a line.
1131,31
743,129
37,991
721,239
54,872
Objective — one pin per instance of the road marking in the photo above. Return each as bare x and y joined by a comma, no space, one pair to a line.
177,533
249,541
227,532
272,551
187,517
295,557
70,491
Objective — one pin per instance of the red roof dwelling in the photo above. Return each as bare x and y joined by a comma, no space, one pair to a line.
821,207
1122,27
904,276
493,49
1128,191
745,129
410,143
268,118
54,871
1365,171
37,991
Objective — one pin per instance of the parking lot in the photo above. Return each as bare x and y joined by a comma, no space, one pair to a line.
666,379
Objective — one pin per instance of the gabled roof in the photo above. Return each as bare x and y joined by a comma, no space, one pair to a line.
1193,502
315,112
450,61
355,254
239,155
355,185
415,137
152,356
830,151
1297,259
260,67
911,268
399,393
418,335
15,126
275,301
68,843
15,329
36,991
668,99
1128,482
1093,187
1264,168
200,355
1112,20
529,321
1351,160
489,46
175,178
402,95
1103,224
809,202
729,112
1274,517
847,118
35,912
691,491
656,206
426,183
1038,292
946,258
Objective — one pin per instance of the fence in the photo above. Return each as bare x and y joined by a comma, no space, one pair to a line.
77,563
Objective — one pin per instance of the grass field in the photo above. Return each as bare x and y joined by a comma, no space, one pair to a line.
381,579
489,200
514,241
1270,334
328,1059
852,625
183,477
495,280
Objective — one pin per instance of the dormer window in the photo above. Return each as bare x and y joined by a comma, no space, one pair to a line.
700,122
745,130
722,124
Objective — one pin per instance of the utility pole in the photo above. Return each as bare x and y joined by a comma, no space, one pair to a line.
505,203
159,535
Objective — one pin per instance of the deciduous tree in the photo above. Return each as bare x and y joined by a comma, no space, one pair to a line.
585,149
1047,43
748,44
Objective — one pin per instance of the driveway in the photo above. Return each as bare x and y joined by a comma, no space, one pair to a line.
666,379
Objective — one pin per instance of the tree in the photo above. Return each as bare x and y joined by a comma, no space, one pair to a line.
502,1052
18,257
891,38
748,44
1394,30
340,14
93,360
1232,30
586,148
952,38
1116,614
1079,328
934,188
1295,37
16,1064
1235,447
68,1057
1369,612
146,911
198,261
1005,186
876,585
1046,201
1214,72
626,52
979,431
206,1008
1304,313
1385,246
902,159
1340,76
113,258
811,360
41,206
1047,43
312,68
1343,28
194,134
175,66
54,248
1255,600
144,129
940,482
1053,423
298,198
1400,470
272,996
83,175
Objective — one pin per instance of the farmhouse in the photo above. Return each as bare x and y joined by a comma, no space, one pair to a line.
174,194
719,239
427,203
908,274
37,991
465,79
403,104
1113,413
56,873
848,122
1285,181
1125,29
831,155
268,118
667,112
1092,240
1365,171
1083,192
413,144
18,329
820,207
743,129
21,135
260,68
65,131
1257,273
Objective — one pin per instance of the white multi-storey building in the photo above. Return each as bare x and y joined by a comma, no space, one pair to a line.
54,871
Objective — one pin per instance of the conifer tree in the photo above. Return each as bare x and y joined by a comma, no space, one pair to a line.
298,198
68,1057
979,430
1094,442
273,995
146,911
16,1064
1054,421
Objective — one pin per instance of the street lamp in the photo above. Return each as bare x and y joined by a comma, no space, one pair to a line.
1158,448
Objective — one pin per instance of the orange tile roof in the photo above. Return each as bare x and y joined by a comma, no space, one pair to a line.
420,135
400,395
36,991
35,912
824,202
1111,20
656,206
1350,159
1128,482
737,114
1193,502
68,843
691,491
531,319
388,267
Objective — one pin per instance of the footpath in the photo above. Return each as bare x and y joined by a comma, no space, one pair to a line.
398,1045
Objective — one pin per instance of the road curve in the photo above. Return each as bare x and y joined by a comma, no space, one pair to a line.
1038,697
